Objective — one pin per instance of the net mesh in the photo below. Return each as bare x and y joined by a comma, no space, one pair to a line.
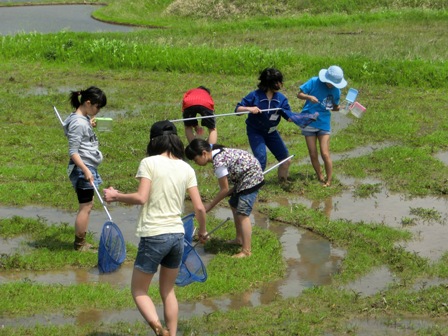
112,248
189,227
192,268
304,119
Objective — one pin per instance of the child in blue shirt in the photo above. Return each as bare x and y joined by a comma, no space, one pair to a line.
261,127
322,95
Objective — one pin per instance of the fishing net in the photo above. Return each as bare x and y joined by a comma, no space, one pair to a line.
192,268
112,248
303,119
189,227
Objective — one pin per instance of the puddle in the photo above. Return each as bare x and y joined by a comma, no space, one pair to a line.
53,19
311,260
389,209
391,327
442,156
374,282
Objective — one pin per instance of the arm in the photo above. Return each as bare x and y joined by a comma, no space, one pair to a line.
140,197
79,163
303,96
199,210
251,109
248,103
223,192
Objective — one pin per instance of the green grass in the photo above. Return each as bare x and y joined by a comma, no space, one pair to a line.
394,53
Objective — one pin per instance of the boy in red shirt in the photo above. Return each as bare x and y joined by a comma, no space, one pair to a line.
199,101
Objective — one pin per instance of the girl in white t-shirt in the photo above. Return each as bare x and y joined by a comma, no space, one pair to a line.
164,180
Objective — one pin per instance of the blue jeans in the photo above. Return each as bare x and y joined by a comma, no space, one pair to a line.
243,203
260,140
165,249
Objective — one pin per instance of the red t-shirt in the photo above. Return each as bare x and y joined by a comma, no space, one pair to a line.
197,97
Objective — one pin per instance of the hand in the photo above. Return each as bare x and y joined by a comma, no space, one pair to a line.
254,110
88,176
93,122
110,194
203,237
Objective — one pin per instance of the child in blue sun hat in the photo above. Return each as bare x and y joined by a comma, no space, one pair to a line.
321,94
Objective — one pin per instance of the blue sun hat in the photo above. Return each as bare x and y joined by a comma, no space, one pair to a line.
333,75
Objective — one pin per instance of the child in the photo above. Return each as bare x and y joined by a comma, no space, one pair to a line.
322,95
239,168
199,101
261,127
84,155
164,179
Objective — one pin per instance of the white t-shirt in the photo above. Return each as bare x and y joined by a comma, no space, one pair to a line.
170,180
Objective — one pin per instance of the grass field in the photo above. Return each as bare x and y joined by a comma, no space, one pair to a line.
394,53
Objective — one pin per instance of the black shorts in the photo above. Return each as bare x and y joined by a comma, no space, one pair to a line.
192,111
84,195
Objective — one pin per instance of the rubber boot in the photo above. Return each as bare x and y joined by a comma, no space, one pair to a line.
80,243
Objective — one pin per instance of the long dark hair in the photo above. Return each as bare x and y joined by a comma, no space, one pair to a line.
197,146
163,138
94,94
270,78
166,143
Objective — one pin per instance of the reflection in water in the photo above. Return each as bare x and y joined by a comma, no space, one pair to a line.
327,206
311,261
389,209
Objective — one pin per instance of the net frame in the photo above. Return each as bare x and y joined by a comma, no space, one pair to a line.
111,249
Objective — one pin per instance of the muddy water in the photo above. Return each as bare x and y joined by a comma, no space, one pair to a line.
390,209
311,262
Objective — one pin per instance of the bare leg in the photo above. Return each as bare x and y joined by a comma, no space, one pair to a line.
311,142
246,234
170,305
82,218
139,287
239,234
189,133
212,136
324,142
283,171
81,225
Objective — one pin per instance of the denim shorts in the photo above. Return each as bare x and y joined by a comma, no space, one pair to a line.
78,179
312,131
243,203
164,249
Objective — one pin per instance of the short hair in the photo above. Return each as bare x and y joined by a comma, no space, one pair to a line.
270,79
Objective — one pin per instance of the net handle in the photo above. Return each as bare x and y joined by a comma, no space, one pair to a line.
102,202
278,164
214,229
224,114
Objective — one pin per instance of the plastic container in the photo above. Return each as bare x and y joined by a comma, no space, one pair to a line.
345,108
104,124
351,95
357,110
